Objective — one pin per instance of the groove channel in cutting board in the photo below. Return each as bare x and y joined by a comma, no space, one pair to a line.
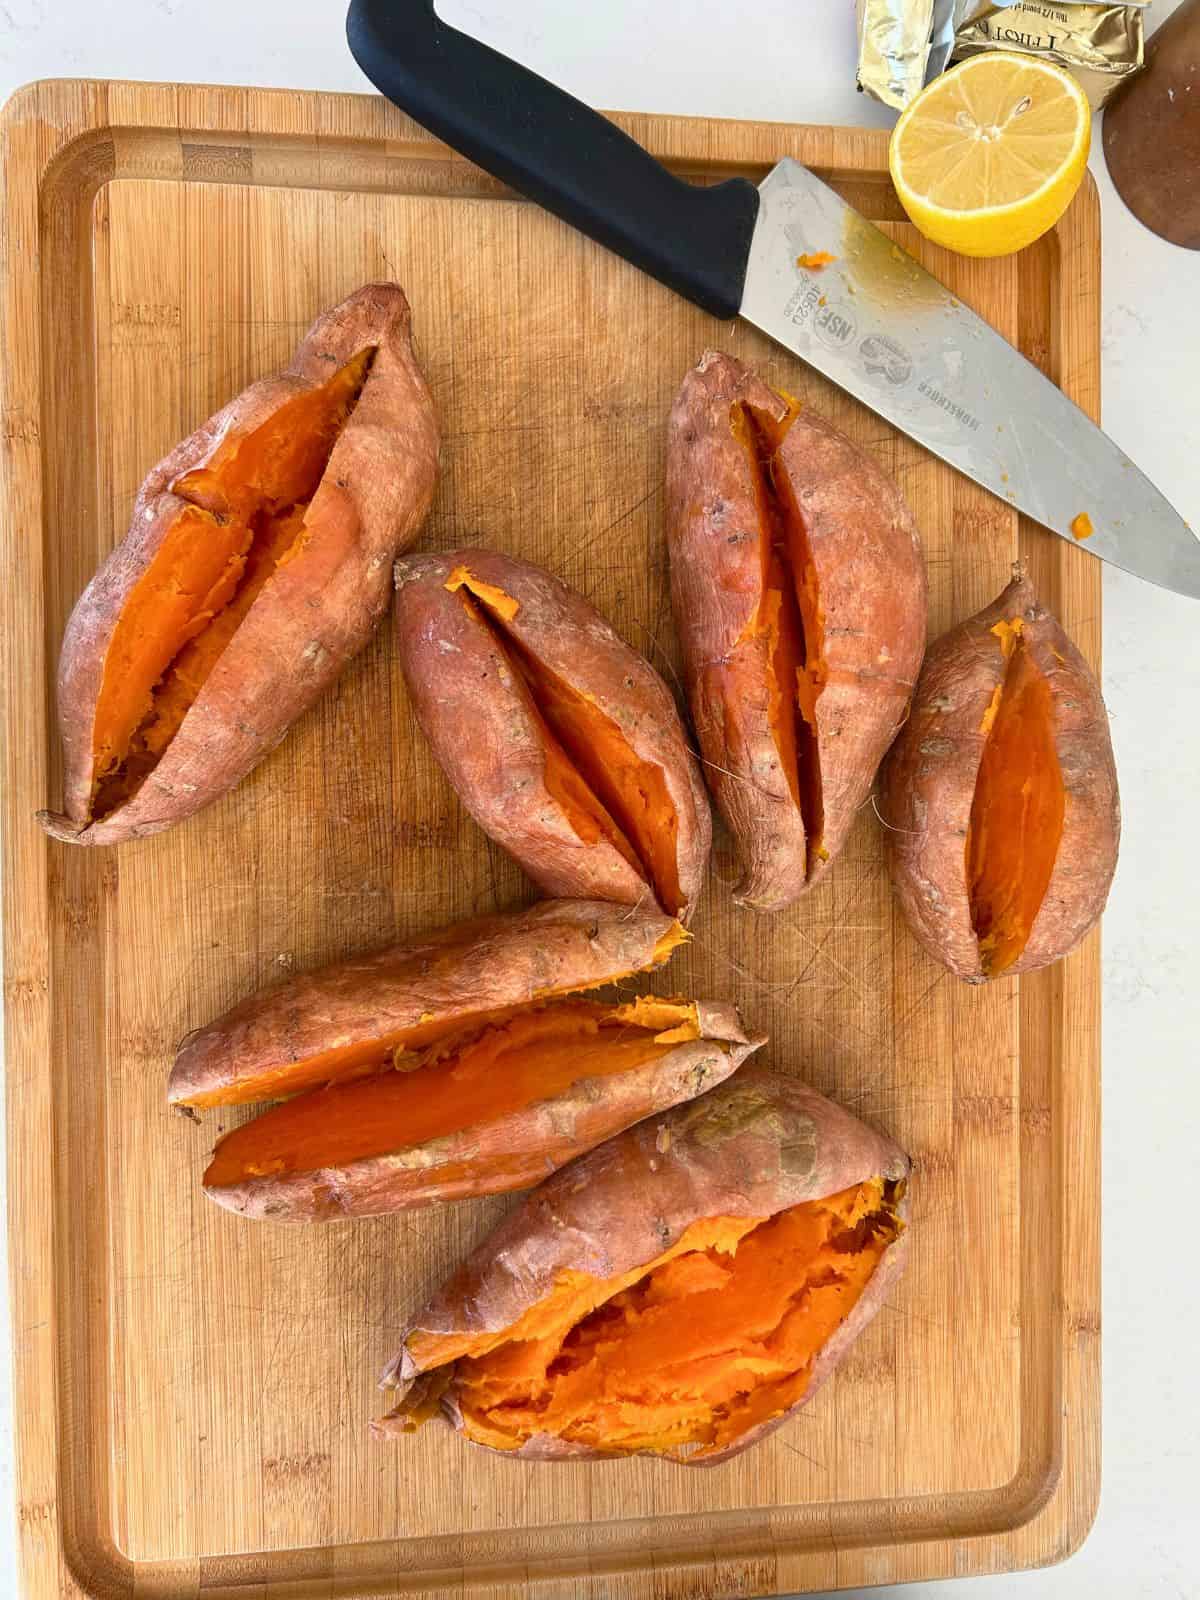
223,1372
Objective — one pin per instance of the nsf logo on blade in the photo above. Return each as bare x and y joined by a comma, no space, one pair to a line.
835,324
886,359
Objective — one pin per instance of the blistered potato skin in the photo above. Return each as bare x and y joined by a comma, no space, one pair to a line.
315,613
928,783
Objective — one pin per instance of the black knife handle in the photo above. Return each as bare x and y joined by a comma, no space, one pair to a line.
557,151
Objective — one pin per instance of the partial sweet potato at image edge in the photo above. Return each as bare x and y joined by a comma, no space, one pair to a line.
680,1291
1000,795
257,563
800,601
561,740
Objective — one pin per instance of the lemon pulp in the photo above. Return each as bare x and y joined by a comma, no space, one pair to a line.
988,156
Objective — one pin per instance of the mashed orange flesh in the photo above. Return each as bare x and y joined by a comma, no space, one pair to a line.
242,517
342,1063
713,1337
1017,811
790,615
462,1082
606,790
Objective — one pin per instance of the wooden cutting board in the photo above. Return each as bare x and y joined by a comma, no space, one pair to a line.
193,1390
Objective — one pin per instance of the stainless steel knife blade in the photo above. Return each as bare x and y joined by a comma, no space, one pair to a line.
877,324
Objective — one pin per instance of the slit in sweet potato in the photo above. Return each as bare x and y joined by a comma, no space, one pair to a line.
1017,811
790,615
463,1081
605,789
365,1056
714,1337
242,517
343,1063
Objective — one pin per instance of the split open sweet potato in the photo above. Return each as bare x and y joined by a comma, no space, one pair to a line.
466,1064
1000,795
562,742
680,1291
799,597
351,1017
493,1108
257,563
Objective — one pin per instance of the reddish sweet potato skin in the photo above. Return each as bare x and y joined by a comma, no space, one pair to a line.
313,615
872,588
927,787
715,545
485,734
758,1144
511,1152
490,962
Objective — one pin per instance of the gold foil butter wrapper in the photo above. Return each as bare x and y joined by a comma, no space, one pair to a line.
894,41
903,44
1100,45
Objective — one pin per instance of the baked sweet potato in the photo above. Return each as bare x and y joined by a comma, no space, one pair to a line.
680,1291
563,743
491,1109
799,598
352,1017
1000,795
463,1065
257,563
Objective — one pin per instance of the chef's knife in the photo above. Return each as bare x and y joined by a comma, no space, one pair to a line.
872,320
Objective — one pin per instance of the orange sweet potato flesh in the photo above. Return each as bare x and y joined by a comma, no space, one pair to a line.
790,613
461,1082
713,1338
342,1063
270,1047
568,788
1017,812
242,517
591,769
565,783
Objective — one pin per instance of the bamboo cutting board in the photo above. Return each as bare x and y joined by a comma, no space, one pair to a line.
193,1390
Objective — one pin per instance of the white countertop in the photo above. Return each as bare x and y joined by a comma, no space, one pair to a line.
792,60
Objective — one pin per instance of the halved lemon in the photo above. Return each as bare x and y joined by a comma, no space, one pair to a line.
989,155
